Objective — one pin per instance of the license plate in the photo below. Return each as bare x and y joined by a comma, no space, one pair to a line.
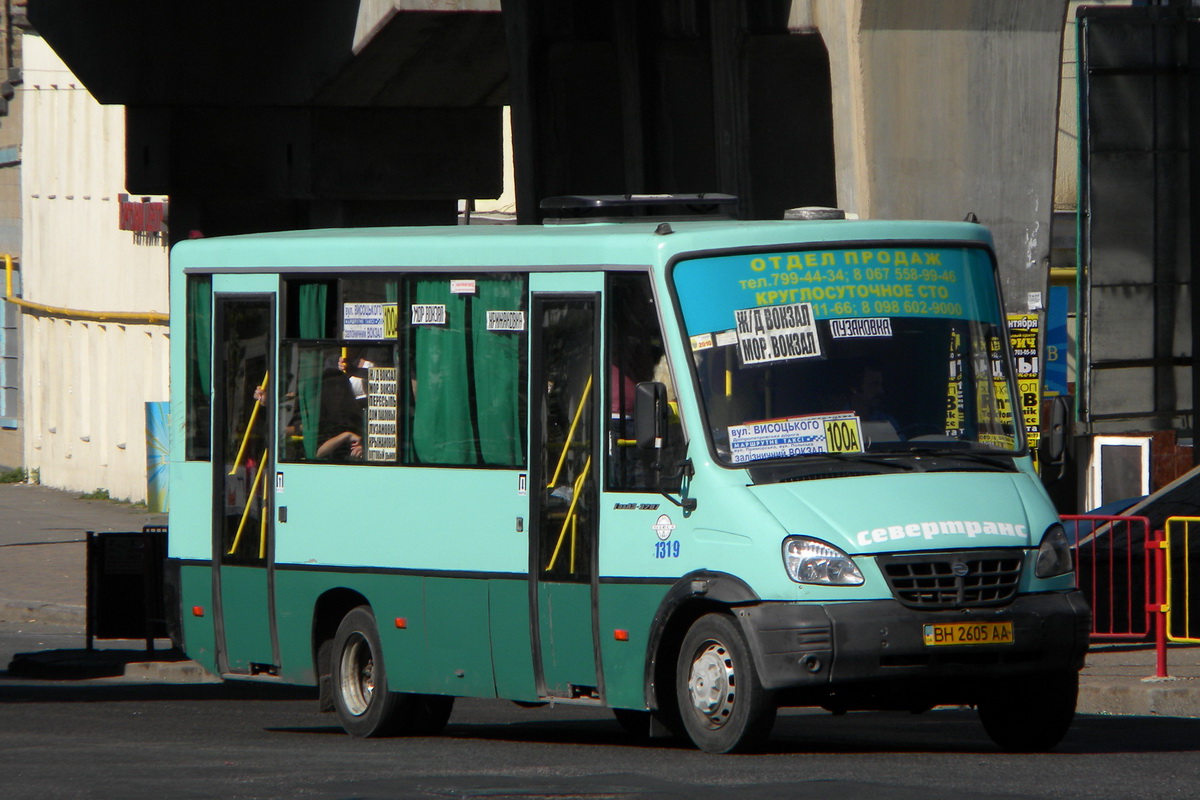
961,633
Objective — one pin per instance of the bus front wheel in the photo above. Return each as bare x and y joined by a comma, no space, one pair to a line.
721,701
364,704
1032,715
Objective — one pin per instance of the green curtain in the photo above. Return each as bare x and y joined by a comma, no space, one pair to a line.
450,424
442,428
311,299
498,368
199,364
199,345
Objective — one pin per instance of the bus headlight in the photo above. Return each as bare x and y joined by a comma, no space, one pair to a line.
1054,556
813,561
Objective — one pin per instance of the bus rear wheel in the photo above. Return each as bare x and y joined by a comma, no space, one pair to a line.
722,704
364,704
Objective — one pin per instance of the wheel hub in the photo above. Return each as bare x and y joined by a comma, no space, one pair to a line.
712,685
358,675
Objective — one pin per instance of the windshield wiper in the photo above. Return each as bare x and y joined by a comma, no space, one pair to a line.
884,460
995,460
817,465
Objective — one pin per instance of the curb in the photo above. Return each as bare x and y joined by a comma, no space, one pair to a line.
147,666
1148,697
29,611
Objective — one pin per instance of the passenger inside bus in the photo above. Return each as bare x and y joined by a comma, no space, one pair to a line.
355,366
340,427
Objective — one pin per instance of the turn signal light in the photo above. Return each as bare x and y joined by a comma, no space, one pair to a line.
620,635
197,611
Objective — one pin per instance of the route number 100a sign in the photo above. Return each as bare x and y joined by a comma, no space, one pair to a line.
785,438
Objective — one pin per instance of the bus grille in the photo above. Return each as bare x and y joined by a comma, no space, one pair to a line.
953,580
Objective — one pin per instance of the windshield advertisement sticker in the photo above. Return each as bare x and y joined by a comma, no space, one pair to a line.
777,333
873,283
864,328
783,438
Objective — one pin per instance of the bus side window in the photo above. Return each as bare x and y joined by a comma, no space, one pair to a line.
636,354
198,348
466,373
445,386
331,395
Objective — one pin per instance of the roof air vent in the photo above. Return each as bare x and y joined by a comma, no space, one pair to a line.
814,212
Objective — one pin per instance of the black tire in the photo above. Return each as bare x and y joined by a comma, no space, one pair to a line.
424,714
364,704
1032,715
361,698
722,704
642,726
634,722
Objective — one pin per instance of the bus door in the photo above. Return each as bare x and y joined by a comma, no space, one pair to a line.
243,483
563,492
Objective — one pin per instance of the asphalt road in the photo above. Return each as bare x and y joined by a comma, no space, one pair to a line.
120,739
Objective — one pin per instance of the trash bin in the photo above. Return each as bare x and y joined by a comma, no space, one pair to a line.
125,585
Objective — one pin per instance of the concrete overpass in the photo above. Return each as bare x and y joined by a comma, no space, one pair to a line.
255,116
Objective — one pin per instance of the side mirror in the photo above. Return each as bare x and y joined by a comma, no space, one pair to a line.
650,415
1055,437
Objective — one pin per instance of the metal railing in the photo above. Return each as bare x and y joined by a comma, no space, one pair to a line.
1113,568
1138,581
1181,546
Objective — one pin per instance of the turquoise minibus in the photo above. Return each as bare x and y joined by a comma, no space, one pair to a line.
693,471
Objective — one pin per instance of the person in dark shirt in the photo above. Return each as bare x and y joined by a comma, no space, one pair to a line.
340,430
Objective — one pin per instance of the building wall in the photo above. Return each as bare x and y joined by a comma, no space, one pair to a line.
11,425
946,107
86,382
1066,177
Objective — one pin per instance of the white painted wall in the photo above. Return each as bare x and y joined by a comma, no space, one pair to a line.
85,383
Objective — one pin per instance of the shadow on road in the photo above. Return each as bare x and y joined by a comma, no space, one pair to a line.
950,731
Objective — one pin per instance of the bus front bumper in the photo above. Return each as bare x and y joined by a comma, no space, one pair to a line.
875,654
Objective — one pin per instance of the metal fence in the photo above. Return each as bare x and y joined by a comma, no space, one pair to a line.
1138,581
1181,556
1115,570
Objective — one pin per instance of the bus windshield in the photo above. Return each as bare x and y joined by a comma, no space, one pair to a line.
896,350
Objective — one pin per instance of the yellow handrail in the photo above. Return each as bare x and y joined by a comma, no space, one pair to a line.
148,317
570,518
250,499
587,389
237,462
